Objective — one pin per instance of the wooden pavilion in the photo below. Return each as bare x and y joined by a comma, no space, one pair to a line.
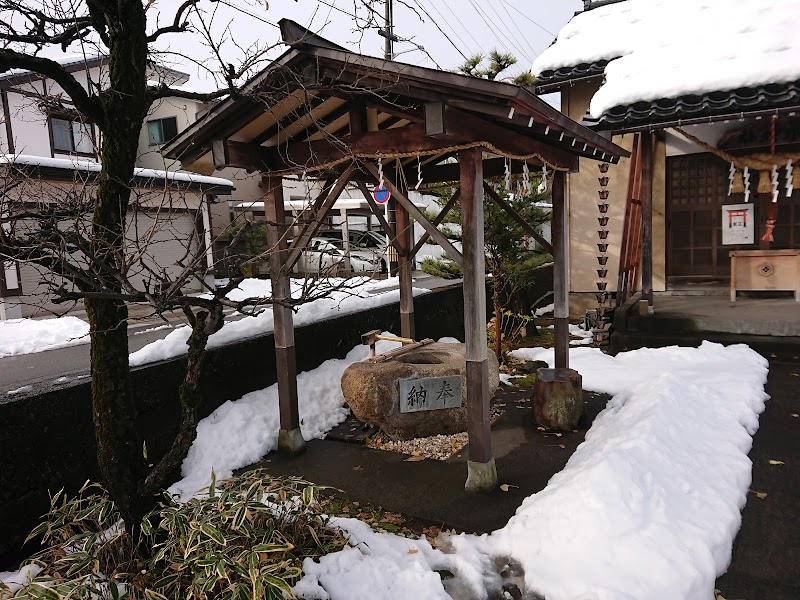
342,117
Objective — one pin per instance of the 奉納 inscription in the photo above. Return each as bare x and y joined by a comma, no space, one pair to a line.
430,393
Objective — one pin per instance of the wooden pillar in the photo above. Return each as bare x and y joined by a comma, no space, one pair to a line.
648,144
560,235
290,439
404,273
481,470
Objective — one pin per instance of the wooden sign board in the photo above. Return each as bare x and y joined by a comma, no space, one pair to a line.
430,393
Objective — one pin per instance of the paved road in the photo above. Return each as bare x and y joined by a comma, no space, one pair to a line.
44,369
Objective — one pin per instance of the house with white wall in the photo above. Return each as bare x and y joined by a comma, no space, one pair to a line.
48,151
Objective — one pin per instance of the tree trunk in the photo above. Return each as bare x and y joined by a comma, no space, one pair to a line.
125,104
190,397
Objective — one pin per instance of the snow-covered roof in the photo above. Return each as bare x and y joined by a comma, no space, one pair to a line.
68,60
90,166
670,48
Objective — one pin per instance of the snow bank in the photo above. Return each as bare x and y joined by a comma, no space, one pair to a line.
241,432
23,336
647,507
670,48
383,566
363,295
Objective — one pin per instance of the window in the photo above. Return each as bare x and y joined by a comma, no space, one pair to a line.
161,130
71,136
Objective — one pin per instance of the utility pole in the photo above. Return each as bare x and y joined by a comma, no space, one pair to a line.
388,52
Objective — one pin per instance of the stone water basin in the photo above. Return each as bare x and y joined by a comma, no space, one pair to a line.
372,391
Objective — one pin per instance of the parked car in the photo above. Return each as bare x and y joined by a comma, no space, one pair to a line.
360,241
327,256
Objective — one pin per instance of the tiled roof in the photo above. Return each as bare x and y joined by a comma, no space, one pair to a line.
550,80
693,107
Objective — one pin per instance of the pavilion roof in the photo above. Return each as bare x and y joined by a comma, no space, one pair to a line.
319,106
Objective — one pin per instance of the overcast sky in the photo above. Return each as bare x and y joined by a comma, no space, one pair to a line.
448,30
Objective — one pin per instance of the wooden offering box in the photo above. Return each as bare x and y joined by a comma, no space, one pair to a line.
765,270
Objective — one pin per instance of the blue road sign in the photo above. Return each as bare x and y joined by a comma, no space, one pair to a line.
381,194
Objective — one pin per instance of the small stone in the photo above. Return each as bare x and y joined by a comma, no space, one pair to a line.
531,366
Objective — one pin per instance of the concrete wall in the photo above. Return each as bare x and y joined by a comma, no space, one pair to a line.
583,200
47,437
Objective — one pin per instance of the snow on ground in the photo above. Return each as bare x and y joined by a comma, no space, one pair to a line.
585,337
23,336
364,294
15,580
540,312
647,507
722,46
241,432
383,566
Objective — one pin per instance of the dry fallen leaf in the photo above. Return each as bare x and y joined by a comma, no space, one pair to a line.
561,446
759,495
413,550
507,486
777,462
358,468
415,458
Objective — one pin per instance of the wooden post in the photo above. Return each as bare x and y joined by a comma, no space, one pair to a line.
481,470
404,273
648,143
560,234
290,439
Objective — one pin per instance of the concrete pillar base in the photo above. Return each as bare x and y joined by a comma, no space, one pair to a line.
645,309
291,442
481,477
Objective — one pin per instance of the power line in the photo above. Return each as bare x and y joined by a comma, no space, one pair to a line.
503,3
453,29
495,30
542,27
460,22
422,8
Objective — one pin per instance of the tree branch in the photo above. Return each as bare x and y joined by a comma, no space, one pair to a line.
178,24
164,91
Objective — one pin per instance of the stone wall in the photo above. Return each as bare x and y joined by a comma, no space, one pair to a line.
47,440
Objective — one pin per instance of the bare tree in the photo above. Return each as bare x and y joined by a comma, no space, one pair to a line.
86,235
